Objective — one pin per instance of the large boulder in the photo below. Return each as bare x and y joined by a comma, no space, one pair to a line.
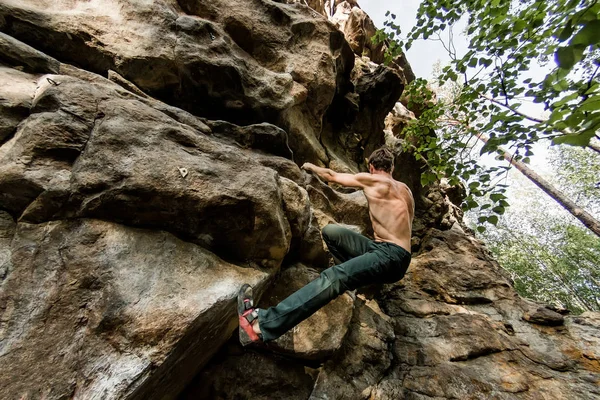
90,150
92,309
223,65
149,166
361,364
236,373
355,121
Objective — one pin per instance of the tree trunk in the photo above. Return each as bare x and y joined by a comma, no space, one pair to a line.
594,147
586,219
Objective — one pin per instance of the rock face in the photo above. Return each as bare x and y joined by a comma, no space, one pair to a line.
99,306
149,166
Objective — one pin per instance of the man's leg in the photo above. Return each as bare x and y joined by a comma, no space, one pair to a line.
362,270
343,243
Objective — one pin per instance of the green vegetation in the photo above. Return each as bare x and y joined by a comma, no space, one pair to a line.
491,82
549,255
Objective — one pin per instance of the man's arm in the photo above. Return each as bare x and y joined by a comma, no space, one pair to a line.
349,180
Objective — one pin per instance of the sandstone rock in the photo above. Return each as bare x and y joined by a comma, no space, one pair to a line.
402,63
231,66
97,308
358,29
236,373
266,137
436,273
483,347
17,53
544,316
346,208
297,206
113,279
360,365
7,231
96,165
398,119
355,120
311,249
17,91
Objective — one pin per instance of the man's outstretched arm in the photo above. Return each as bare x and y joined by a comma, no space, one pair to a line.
348,180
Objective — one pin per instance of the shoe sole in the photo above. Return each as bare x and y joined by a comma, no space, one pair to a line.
245,292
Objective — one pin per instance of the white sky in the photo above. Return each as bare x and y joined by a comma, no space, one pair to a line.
424,53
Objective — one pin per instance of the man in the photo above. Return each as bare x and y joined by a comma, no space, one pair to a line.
361,261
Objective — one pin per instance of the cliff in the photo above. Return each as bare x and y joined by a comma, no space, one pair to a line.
149,155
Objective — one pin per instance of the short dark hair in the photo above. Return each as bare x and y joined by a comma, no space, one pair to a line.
382,159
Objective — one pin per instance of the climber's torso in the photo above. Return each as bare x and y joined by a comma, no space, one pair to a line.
391,208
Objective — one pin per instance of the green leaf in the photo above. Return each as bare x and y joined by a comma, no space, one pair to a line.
485,62
591,104
565,57
472,204
581,139
481,229
566,32
499,210
493,220
520,25
497,197
566,99
589,35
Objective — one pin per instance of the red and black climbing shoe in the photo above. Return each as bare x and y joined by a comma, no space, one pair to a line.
247,314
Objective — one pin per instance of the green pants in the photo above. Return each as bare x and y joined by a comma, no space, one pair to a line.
361,262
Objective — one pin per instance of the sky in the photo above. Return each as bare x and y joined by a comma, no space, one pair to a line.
425,53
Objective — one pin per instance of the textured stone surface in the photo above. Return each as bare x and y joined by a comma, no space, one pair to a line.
7,232
17,93
100,161
231,65
149,165
361,364
237,373
90,309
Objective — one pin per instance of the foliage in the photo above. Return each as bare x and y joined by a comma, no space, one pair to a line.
550,258
454,151
578,175
492,80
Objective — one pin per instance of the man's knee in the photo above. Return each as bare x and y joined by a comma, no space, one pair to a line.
331,233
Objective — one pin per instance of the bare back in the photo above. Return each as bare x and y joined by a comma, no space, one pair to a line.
391,204
391,208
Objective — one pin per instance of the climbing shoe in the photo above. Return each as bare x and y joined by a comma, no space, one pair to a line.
247,314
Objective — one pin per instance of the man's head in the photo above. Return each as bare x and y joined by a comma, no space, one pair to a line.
381,159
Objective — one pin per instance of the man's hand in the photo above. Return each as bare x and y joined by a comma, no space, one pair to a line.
309,167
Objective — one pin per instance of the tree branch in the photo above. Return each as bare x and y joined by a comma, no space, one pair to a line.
540,121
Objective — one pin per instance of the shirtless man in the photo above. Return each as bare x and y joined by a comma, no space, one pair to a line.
361,261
